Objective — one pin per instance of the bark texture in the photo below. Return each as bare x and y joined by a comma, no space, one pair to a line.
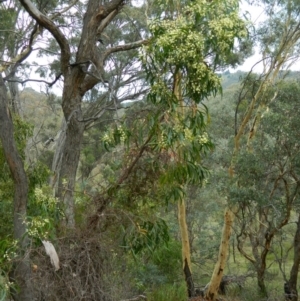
22,270
79,78
185,245
218,272
295,268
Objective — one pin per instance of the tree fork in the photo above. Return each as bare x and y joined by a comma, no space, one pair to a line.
218,272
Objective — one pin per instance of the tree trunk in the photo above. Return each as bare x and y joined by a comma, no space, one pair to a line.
22,271
57,158
295,268
185,245
15,98
261,282
79,77
71,149
216,278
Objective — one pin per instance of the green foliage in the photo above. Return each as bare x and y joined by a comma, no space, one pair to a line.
195,43
185,52
114,136
168,292
43,214
168,260
7,24
8,252
22,131
8,249
146,236
4,286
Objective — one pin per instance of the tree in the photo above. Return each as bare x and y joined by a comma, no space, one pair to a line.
22,271
292,282
79,78
278,51
184,84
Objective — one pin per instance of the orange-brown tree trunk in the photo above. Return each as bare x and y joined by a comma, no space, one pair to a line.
216,278
185,246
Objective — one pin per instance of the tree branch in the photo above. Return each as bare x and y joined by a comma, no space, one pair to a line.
104,11
22,56
63,10
124,47
44,21
106,21
35,80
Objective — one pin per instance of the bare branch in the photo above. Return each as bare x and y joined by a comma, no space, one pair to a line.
23,55
35,80
63,10
106,21
44,21
125,47
104,11
46,50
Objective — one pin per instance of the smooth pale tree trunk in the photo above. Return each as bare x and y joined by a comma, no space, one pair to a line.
295,268
185,246
22,271
185,243
218,272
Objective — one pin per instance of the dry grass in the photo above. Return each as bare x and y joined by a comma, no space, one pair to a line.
87,271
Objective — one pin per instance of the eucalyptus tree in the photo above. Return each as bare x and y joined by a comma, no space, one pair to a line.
278,52
22,272
268,179
181,62
82,67
293,279
17,35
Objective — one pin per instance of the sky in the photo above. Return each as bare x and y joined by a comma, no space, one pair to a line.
255,14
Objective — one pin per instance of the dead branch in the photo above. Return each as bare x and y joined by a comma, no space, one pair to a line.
35,80
125,47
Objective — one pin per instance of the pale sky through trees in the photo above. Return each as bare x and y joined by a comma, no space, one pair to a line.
255,14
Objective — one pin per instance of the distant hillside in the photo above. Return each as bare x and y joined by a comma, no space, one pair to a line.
229,79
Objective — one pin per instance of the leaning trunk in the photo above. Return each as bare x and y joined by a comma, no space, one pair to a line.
22,272
186,253
216,278
295,268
